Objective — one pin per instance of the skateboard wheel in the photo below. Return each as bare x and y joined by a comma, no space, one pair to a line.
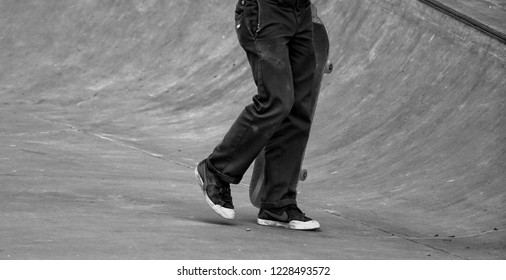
303,175
329,66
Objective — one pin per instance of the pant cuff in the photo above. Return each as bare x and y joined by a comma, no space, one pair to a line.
277,204
223,177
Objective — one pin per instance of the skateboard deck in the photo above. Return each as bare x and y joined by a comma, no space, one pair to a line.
323,66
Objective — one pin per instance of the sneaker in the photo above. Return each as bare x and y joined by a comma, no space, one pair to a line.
216,192
290,217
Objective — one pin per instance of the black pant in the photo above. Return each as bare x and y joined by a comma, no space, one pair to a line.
278,39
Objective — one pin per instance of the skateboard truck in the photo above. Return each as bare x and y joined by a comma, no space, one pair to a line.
303,175
329,66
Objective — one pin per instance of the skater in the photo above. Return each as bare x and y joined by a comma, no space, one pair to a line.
277,38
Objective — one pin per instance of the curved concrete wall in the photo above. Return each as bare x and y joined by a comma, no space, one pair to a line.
410,131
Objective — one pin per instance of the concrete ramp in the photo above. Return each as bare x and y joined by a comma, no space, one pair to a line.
106,106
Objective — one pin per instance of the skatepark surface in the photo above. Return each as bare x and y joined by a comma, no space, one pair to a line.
107,106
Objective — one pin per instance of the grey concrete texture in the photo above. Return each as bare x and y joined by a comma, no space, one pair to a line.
487,12
107,106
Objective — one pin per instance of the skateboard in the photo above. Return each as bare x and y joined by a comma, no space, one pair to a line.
323,66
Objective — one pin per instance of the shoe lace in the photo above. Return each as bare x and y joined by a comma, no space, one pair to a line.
295,212
225,192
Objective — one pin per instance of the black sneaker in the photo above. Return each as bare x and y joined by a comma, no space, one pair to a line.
288,217
216,192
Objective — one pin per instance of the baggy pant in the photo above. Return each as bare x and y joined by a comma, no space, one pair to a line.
277,36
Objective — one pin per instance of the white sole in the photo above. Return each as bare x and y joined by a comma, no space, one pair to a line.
225,213
296,225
